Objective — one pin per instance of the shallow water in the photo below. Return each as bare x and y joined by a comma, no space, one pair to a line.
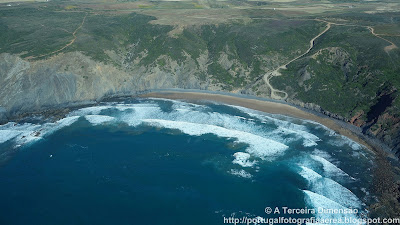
155,161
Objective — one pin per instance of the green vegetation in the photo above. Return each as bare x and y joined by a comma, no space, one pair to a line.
122,31
250,44
35,31
349,72
368,19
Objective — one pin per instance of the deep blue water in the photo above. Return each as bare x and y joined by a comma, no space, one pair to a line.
154,162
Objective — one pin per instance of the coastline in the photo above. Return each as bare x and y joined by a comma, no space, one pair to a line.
386,175
248,101
264,105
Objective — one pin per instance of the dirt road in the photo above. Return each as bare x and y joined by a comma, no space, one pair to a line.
282,95
70,43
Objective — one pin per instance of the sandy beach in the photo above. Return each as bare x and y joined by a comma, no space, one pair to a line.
263,106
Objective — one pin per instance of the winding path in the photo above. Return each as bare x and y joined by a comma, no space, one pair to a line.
371,29
70,43
282,95
387,48
274,92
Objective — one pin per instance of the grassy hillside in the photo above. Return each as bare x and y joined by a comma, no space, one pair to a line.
348,71
33,31
237,52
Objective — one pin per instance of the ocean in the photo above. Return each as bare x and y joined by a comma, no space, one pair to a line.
159,161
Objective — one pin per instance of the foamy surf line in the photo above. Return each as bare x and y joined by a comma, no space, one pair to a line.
29,133
258,146
330,188
323,205
98,119
6,135
190,118
262,144
258,104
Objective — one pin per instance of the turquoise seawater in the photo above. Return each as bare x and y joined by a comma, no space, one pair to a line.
156,161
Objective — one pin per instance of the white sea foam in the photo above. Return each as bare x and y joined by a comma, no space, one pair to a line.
330,189
309,139
49,128
288,124
93,110
240,173
241,117
329,168
125,107
343,140
19,133
188,112
139,113
28,133
322,154
98,119
284,126
28,137
6,135
258,146
309,174
242,159
327,130
179,103
279,120
318,201
34,132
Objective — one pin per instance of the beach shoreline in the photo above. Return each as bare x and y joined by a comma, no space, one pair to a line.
385,182
272,107
386,173
248,101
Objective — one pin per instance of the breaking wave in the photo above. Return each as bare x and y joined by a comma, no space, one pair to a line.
258,146
267,138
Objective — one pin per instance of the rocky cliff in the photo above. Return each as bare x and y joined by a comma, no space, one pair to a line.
75,78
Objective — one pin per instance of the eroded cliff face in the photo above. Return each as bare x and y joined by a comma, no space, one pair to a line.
73,77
